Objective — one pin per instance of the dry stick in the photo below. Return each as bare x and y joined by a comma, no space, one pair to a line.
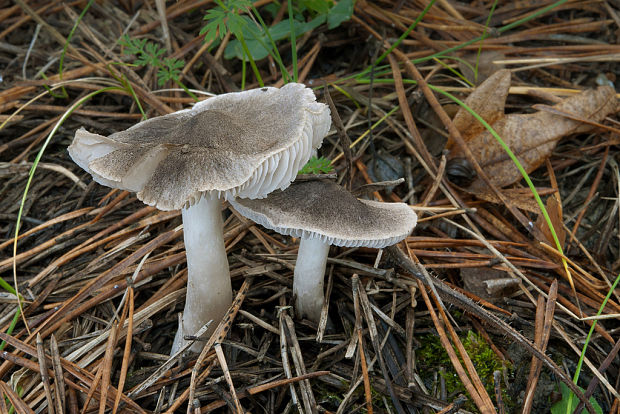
45,378
367,389
306,65
299,364
471,369
126,351
106,368
20,406
185,395
264,387
473,392
546,334
460,300
222,360
454,406
26,363
67,216
538,334
604,365
497,381
360,339
404,106
374,337
597,180
217,336
55,34
345,141
508,264
3,407
456,135
83,375
610,388
59,379
53,323
93,388
159,372
325,308
434,186
285,364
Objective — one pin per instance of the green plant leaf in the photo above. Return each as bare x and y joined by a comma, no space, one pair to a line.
317,166
341,12
319,6
258,42
562,406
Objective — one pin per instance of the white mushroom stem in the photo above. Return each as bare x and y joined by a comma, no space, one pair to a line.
308,277
209,292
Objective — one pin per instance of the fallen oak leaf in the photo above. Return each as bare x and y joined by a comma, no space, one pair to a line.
532,137
554,209
488,101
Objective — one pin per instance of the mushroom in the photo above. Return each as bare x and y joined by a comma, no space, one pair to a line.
323,213
243,144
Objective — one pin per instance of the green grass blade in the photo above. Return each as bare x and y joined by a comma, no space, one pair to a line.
514,159
31,175
251,59
585,345
274,52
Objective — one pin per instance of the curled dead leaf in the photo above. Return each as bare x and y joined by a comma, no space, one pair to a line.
532,137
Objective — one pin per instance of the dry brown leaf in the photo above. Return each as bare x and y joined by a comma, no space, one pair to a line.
483,62
554,209
488,101
521,198
532,137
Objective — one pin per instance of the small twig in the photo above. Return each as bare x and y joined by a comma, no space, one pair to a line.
378,186
59,380
314,177
106,368
460,300
45,378
360,339
497,382
216,337
345,141
285,364
222,360
325,308
300,368
374,337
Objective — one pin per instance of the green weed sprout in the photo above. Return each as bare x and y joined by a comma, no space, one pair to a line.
317,166
255,40
568,405
227,18
150,54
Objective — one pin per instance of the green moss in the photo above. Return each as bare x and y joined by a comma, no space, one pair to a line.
432,357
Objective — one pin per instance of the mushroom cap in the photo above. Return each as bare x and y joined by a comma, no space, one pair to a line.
243,144
323,209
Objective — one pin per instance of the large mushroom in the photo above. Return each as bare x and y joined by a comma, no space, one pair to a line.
323,213
243,144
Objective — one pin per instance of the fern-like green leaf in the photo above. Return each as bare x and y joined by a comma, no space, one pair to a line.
317,166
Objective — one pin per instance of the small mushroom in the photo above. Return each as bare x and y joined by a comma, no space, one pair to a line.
243,144
323,213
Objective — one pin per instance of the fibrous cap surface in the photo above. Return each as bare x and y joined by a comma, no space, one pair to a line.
243,144
324,210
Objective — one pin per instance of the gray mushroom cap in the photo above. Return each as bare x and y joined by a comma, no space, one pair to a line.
243,144
324,210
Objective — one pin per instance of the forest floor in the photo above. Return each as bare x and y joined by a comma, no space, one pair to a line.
482,308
